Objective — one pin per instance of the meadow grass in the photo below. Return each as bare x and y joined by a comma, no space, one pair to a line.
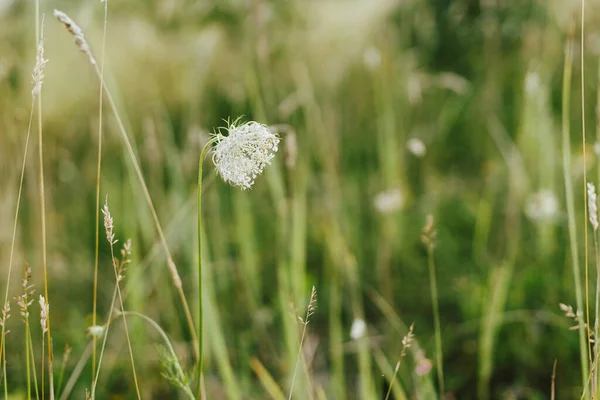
380,123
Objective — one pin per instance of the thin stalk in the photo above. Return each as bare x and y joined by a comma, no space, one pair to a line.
553,386
597,120
63,366
309,311
596,320
585,210
27,361
43,352
32,355
97,239
118,287
108,323
407,342
19,195
76,372
566,104
4,372
436,319
82,44
14,232
170,263
43,215
165,338
200,323
298,357
389,392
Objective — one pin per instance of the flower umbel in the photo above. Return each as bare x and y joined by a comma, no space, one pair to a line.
243,153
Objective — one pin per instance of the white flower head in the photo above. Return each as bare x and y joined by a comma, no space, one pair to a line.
542,206
389,200
416,147
358,329
95,330
242,154
532,82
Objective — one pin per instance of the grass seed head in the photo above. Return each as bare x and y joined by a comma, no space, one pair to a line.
592,205
44,311
40,63
76,32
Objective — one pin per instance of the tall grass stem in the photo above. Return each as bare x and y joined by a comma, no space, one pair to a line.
98,169
569,194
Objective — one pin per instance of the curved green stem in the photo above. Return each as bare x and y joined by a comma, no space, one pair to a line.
200,341
165,338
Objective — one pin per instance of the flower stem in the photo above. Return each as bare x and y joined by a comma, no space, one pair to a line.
199,332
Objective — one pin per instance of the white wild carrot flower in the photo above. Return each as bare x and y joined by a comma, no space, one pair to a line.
532,82
542,206
389,200
242,154
358,329
416,147
95,330
592,205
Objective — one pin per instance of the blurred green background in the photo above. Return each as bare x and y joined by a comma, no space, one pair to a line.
388,111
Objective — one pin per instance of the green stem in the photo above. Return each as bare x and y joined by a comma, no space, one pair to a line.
27,362
32,361
566,144
4,368
389,392
164,336
436,319
199,333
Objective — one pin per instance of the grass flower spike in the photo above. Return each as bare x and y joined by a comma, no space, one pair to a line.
592,205
40,63
243,153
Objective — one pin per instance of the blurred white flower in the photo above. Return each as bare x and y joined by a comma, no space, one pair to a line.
389,200
532,82
242,154
454,82
416,147
542,206
372,58
358,329
96,330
